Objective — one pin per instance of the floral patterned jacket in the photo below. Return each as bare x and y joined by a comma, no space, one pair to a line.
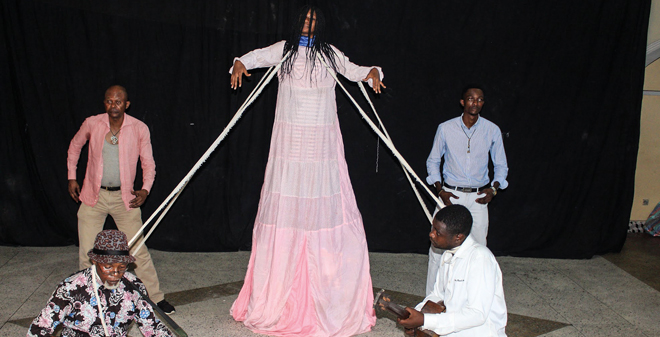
73,305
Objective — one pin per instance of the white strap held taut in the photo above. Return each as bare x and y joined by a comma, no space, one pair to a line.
386,139
177,190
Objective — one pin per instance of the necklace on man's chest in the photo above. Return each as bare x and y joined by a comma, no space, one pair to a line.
468,137
114,140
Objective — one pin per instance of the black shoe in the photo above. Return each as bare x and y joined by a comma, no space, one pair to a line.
166,307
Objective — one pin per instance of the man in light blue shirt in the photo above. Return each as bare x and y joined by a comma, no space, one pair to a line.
465,142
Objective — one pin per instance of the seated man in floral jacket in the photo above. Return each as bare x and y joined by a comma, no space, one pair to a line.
102,300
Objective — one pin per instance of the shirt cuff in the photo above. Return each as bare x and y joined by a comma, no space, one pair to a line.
432,179
231,70
503,183
380,75
430,321
434,323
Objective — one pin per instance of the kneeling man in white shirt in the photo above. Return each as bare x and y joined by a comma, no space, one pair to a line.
469,282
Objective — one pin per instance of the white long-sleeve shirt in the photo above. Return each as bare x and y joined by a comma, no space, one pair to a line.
470,284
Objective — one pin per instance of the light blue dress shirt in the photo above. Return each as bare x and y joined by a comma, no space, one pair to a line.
463,169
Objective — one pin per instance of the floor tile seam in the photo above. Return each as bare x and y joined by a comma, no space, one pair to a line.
574,328
595,297
565,320
2,326
555,309
568,327
632,324
28,298
577,327
9,317
621,270
18,251
577,282
574,281
608,306
630,274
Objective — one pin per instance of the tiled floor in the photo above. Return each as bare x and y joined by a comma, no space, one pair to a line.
612,295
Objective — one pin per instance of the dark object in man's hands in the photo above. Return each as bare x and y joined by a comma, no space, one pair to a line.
382,301
431,307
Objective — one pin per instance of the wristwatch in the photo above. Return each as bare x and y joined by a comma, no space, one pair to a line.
494,190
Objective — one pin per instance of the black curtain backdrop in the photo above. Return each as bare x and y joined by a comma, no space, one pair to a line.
563,80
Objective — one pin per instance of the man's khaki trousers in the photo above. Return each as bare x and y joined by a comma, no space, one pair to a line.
90,223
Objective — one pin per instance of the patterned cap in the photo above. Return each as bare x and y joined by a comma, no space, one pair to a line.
111,246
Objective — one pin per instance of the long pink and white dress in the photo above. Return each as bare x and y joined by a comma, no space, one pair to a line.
308,273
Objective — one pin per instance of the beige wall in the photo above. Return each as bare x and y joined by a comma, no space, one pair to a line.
647,176
654,22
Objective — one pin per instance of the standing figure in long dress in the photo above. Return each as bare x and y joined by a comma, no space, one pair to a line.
308,273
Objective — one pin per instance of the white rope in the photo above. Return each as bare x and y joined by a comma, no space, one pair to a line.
169,201
382,126
162,215
385,139
98,300
175,193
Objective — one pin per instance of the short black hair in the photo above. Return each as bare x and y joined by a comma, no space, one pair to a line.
121,88
471,86
457,219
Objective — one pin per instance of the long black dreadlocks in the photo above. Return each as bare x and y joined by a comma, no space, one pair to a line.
316,45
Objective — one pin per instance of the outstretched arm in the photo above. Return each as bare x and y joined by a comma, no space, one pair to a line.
374,75
264,57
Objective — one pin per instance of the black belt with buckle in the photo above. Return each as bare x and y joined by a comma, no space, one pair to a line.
466,189
111,188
